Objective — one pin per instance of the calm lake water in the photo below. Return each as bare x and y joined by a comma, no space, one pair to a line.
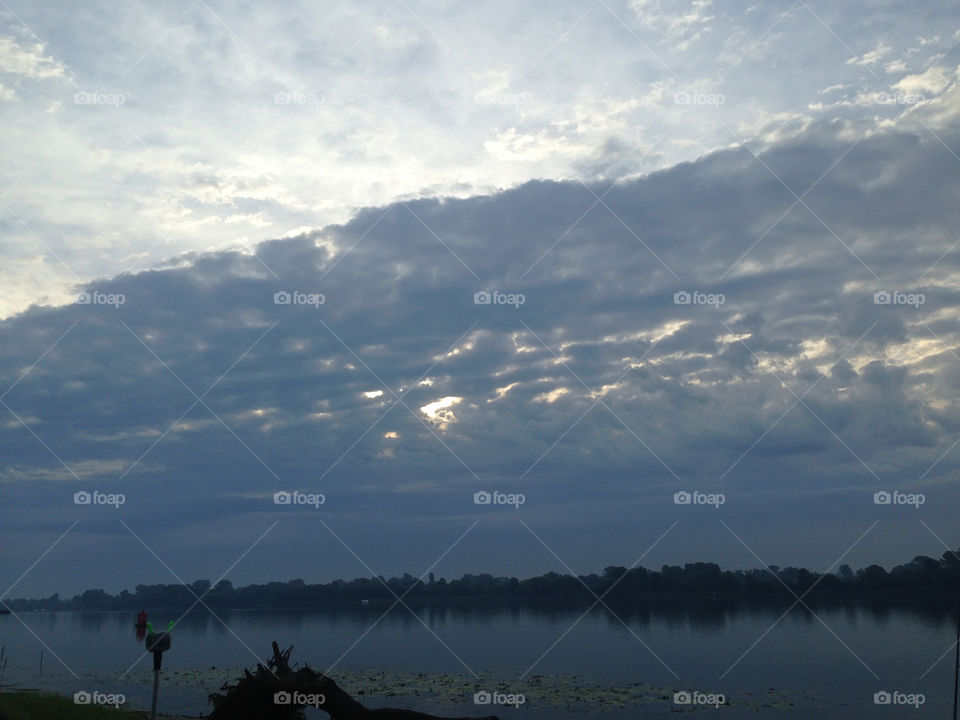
823,665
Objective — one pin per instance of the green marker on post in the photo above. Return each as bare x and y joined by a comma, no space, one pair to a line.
157,643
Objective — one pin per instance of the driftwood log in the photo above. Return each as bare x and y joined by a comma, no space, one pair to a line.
253,696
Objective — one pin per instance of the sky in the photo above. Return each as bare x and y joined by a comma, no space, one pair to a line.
380,258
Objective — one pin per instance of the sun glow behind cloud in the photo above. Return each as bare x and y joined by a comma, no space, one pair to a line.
439,411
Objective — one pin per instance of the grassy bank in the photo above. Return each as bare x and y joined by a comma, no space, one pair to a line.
27,705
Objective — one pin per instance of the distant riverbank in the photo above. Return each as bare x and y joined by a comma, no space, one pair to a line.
664,601
922,577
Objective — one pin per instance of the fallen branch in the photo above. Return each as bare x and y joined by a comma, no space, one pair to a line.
261,695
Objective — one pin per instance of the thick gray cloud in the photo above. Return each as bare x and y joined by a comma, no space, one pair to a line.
600,396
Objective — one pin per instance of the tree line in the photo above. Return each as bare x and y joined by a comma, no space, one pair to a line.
922,574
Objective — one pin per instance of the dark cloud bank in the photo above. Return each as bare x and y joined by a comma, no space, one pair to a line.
598,397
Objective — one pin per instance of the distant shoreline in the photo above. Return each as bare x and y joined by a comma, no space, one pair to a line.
925,597
923,577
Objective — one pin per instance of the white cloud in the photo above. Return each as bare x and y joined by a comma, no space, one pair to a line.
931,81
682,22
28,60
201,156
872,57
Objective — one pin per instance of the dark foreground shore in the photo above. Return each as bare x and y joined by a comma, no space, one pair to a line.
34,705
